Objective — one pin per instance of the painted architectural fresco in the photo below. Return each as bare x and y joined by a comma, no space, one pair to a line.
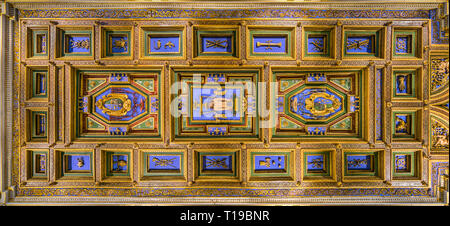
132,107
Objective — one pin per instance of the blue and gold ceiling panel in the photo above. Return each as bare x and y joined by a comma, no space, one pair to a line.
406,84
215,104
37,162
319,43
75,43
271,43
163,42
38,42
158,102
318,165
323,104
163,165
406,125
406,44
217,165
273,165
37,128
406,164
118,104
363,42
216,42
117,165
363,165
37,82
117,42
74,164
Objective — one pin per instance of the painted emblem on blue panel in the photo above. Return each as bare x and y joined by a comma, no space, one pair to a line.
216,77
119,43
78,44
211,103
78,163
120,103
315,103
402,44
401,163
272,162
315,163
217,162
269,44
216,44
401,123
160,44
360,44
164,162
316,77
119,163
359,162
402,84
316,44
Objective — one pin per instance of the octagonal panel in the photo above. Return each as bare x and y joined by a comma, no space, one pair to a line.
313,104
120,104
324,103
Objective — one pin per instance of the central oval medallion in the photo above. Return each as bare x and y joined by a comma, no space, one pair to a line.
315,103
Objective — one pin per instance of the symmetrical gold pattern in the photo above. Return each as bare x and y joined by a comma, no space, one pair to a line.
49,160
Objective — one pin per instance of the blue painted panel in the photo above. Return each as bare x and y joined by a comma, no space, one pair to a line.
119,163
216,78
299,107
119,43
315,163
363,44
379,94
316,130
210,109
164,162
118,77
402,44
137,104
269,44
216,44
217,131
79,44
118,130
316,44
271,162
354,103
401,120
78,162
359,162
154,104
280,102
401,162
217,162
317,77
169,44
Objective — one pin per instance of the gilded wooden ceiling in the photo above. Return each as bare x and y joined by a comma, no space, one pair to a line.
269,103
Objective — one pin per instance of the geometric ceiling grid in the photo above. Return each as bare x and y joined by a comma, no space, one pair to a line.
153,103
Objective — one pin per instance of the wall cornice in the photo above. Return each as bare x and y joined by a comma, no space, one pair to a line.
229,5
